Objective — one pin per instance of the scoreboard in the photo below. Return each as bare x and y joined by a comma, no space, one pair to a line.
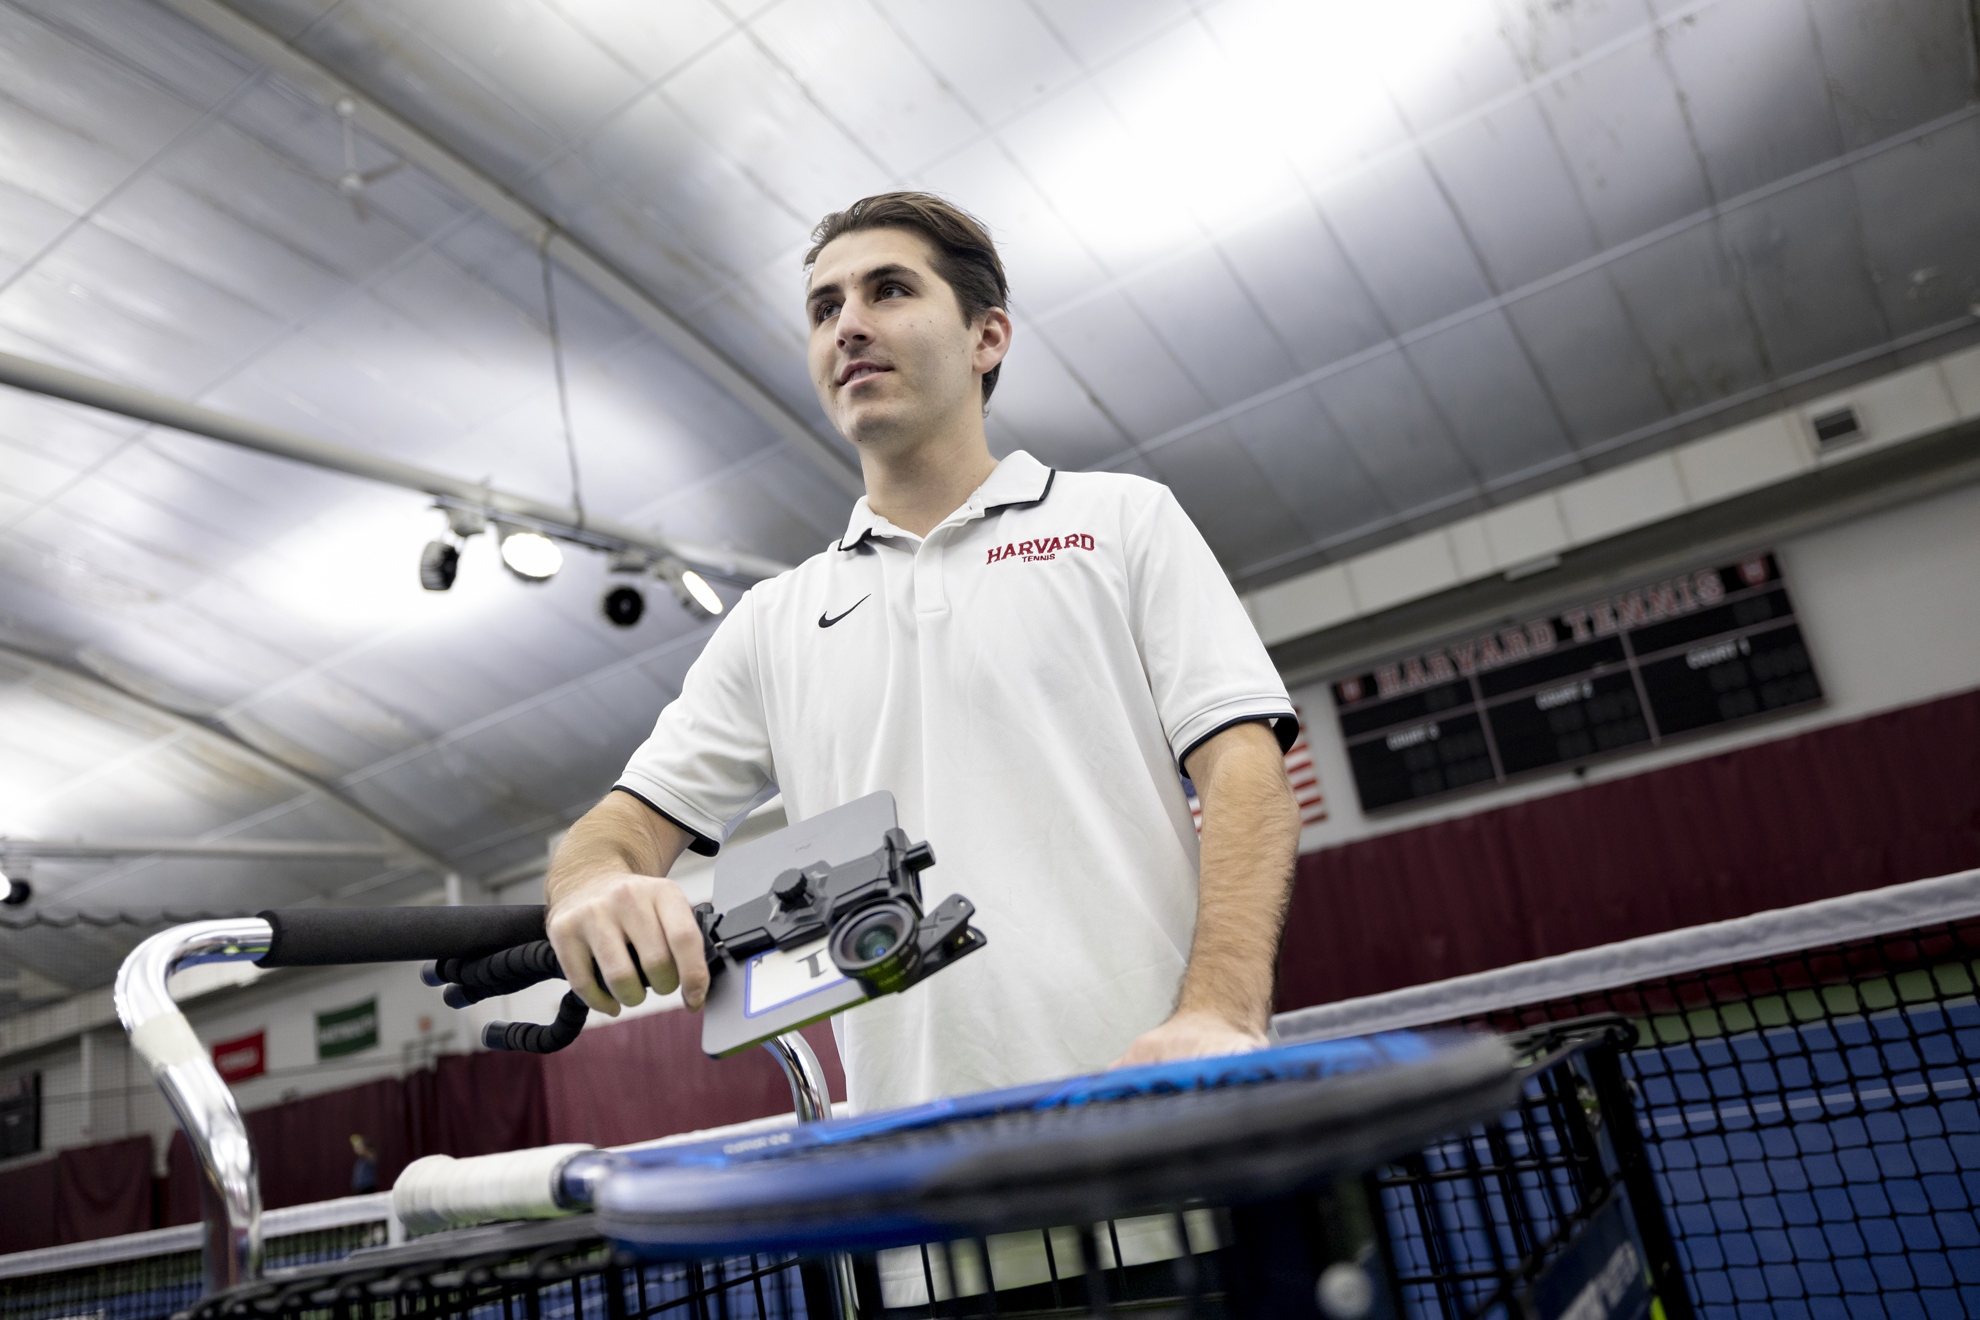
1698,651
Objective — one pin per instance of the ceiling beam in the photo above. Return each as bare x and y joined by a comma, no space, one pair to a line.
525,221
145,406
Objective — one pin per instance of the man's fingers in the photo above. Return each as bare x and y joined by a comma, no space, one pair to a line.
684,938
574,956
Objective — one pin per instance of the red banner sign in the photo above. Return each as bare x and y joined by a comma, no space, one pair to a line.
238,1060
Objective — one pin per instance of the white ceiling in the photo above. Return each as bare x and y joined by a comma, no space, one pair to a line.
1336,272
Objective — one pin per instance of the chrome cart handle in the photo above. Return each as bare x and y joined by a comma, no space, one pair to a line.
230,1187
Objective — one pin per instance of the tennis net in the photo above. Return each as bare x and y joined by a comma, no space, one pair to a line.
1804,1081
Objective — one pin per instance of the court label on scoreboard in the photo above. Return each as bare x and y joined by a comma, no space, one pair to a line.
1686,654
784,976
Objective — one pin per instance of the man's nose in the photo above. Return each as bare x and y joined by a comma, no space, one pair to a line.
852,324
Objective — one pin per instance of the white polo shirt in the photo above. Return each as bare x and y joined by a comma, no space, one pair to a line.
1025,681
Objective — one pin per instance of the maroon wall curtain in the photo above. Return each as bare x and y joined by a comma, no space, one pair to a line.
477,1104
1875,802
305,1145
648,1078
27,1207
103,1190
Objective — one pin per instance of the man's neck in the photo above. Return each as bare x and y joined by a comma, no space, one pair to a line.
917,488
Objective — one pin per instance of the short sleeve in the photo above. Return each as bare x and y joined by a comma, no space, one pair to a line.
708,758
1206,666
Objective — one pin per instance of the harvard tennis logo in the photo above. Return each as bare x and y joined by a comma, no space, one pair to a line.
1043,548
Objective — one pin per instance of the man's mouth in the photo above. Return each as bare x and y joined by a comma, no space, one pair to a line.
858,371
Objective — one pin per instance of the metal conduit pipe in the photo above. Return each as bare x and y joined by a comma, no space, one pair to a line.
230,1185
598,533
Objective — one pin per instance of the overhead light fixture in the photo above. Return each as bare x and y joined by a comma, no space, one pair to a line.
440,561
690,589
531,556
15,891
623,603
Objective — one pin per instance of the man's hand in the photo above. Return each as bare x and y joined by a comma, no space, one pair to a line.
625,922
1191,1034
611,903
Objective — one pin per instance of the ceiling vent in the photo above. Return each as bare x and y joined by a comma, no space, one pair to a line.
1837,428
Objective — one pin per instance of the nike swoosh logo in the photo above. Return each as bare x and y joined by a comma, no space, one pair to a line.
827,620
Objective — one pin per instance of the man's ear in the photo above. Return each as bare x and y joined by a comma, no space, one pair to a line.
993,340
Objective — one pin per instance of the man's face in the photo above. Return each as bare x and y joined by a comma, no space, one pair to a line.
891,357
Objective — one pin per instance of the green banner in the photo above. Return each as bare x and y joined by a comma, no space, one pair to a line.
344,1031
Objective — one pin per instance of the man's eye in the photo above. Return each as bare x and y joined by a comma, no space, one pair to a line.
889,290
823,311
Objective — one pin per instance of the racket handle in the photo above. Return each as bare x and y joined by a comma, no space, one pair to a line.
441,1192
539,1038
330,937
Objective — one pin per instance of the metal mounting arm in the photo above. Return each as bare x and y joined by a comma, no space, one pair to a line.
230,1186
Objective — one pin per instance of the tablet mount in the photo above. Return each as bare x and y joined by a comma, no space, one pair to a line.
868,911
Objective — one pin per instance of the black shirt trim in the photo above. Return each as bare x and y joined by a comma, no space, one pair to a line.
698,842
1285,727
1051,475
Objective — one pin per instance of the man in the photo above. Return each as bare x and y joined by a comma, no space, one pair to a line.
1024,658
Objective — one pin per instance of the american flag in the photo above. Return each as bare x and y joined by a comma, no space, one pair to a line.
1305,783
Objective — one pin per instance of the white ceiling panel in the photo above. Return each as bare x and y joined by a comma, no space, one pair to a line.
1500,412
1918,206
998,55
1893,63
1546,39
1686,298
1305,286
1801,257
830,47
171,54
1591,356
1052,414
652,41
1097,31
1754,120
1514,194
1626,139
1381,409
1207,318
1319,476
1405,242
1109,348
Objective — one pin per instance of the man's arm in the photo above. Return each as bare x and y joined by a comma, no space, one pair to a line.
1249,842
607,890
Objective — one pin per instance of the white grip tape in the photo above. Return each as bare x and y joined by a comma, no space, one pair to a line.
166,1040
440,1191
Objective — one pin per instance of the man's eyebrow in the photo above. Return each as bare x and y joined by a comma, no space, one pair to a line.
892,270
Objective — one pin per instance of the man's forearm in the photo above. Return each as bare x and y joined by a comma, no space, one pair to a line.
617,836
1249,843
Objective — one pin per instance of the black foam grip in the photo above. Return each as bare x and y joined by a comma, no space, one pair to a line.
330,937
546,1038
472,980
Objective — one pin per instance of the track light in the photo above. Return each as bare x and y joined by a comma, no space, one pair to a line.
438,564
690,588
531,556
15,891
441,560
623,605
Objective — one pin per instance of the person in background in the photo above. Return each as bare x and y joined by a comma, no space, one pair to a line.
364,1168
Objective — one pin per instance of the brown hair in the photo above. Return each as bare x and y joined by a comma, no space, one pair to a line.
965,257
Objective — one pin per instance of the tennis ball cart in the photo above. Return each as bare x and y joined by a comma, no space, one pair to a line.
1398,1174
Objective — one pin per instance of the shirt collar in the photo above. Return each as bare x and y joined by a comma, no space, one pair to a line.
1018,480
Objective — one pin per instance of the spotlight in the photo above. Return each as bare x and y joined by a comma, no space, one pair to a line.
438,564
531,556
690,589
15,891
623,605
